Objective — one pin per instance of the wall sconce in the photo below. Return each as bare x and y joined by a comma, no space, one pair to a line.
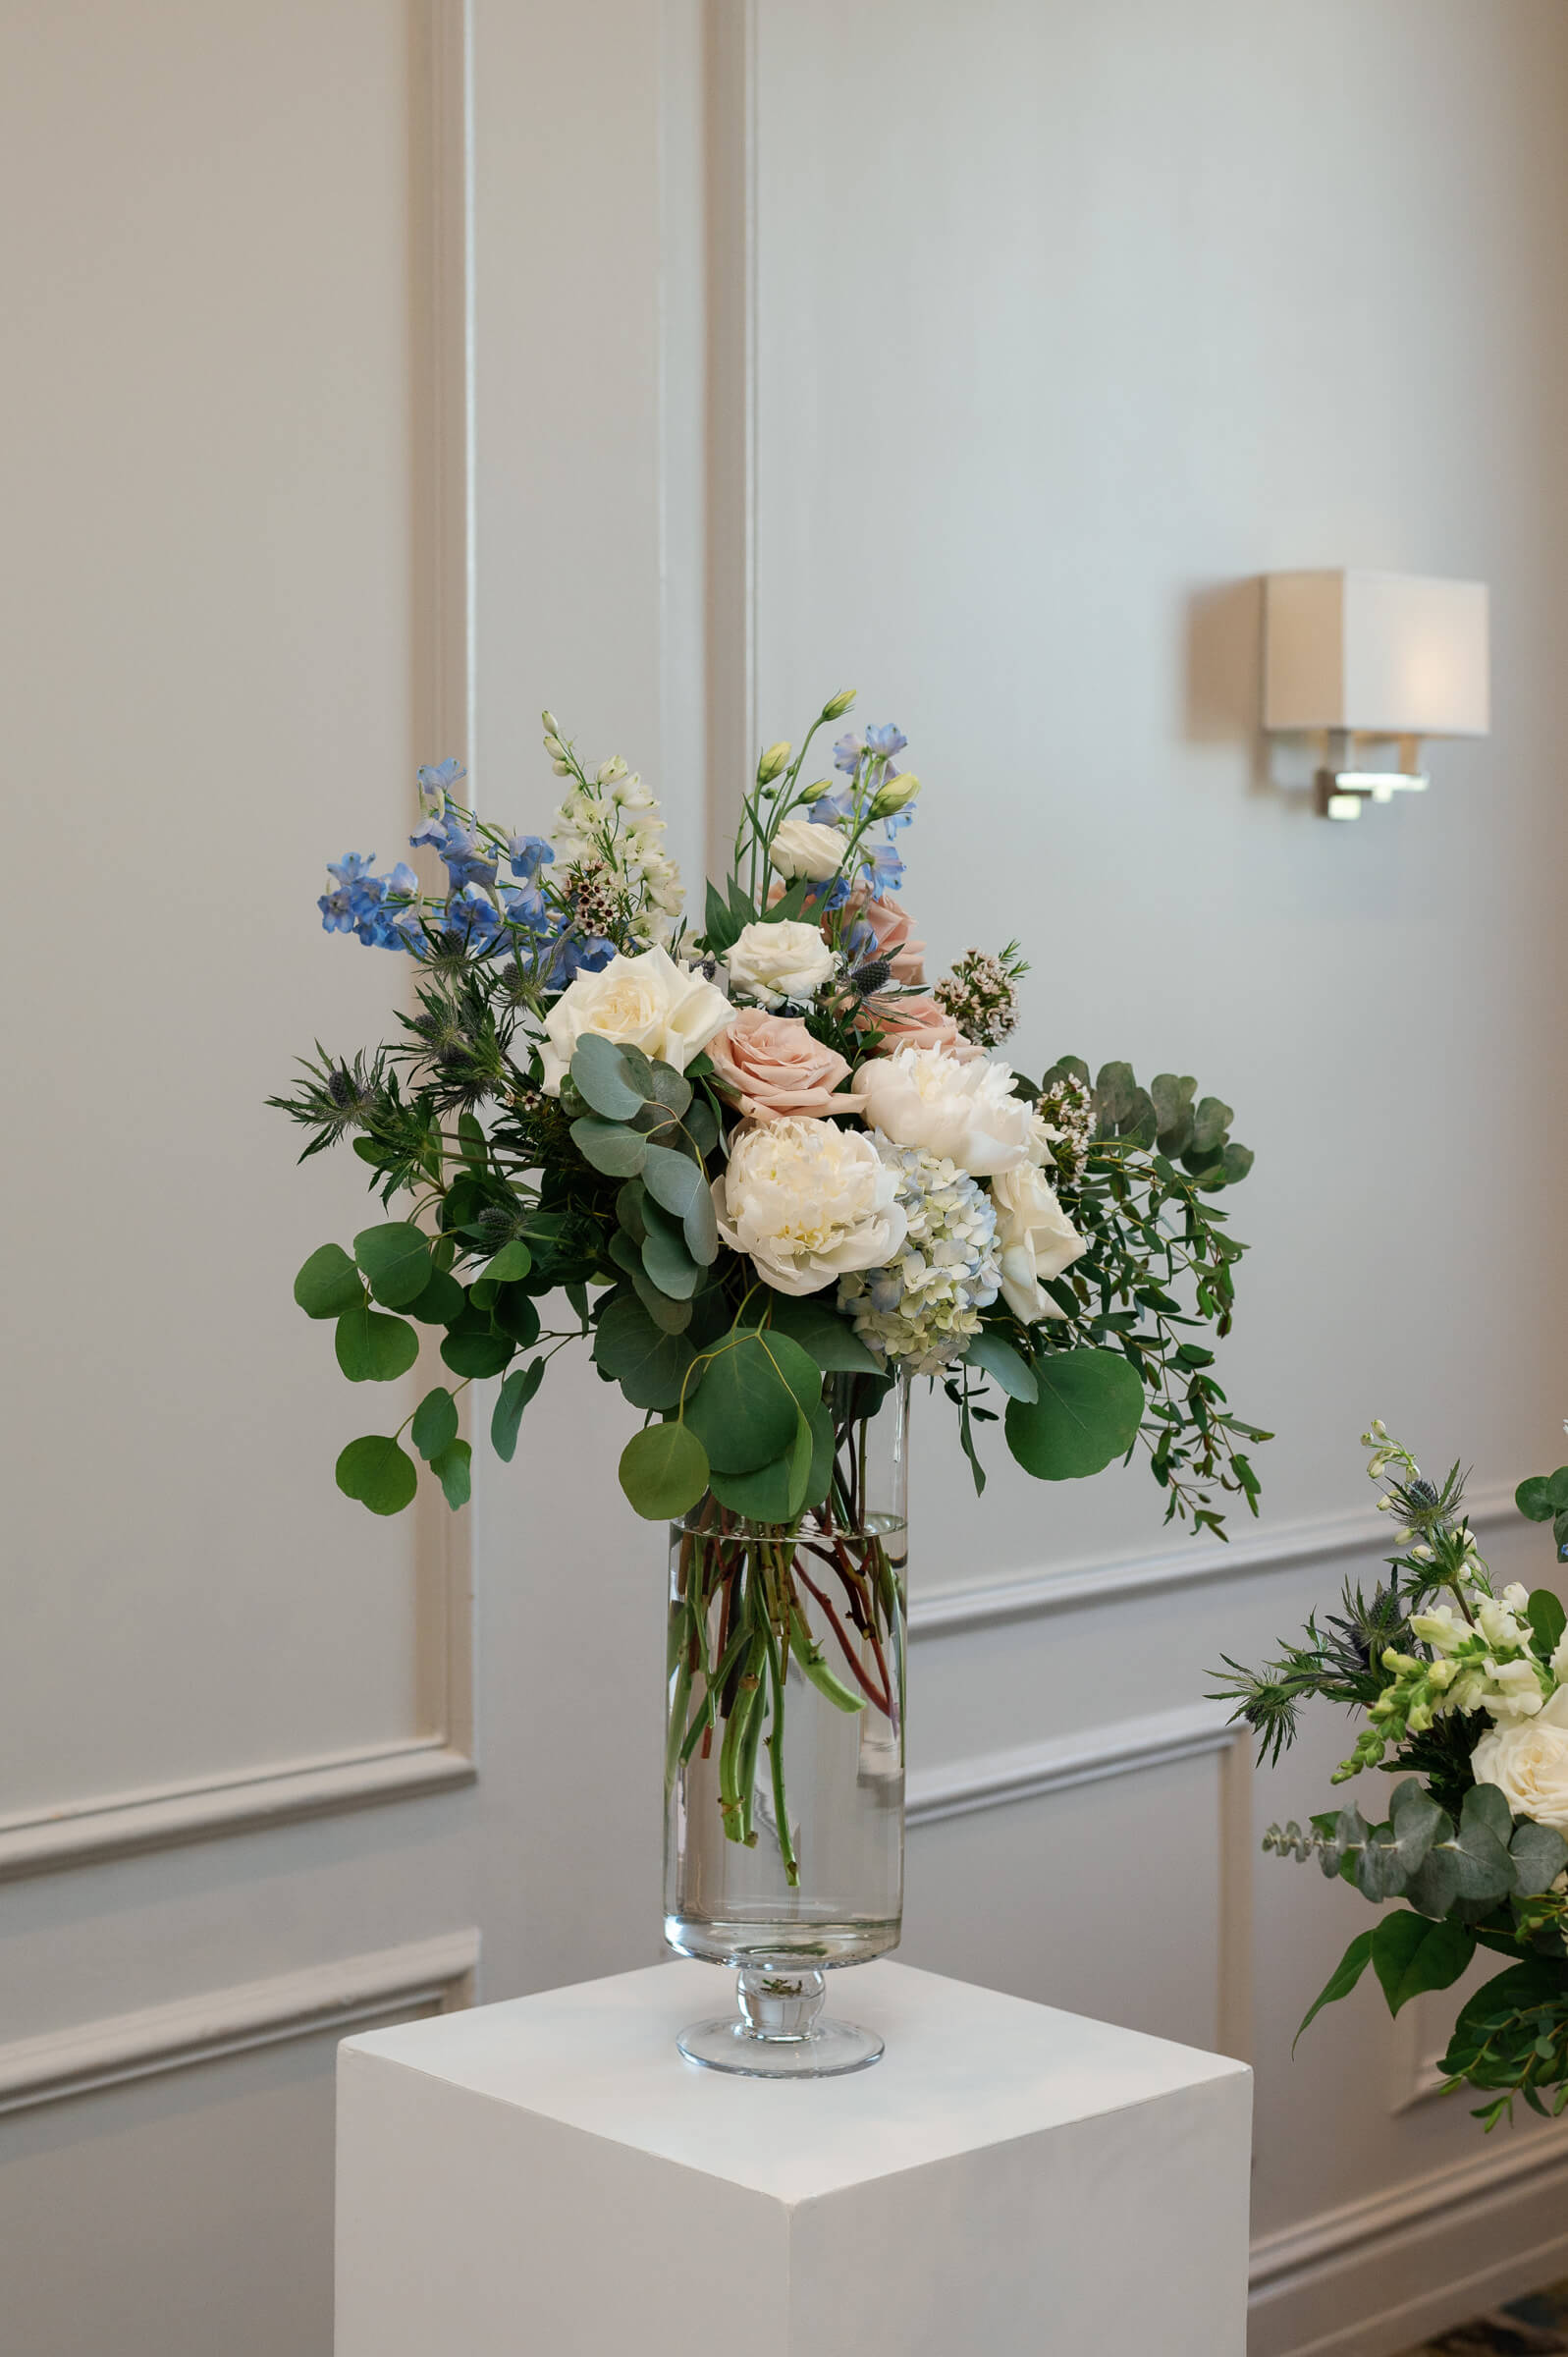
1365,659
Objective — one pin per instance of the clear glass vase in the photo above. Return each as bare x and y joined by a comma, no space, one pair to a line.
785,1753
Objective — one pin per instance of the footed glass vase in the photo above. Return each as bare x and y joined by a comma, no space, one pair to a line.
785,1750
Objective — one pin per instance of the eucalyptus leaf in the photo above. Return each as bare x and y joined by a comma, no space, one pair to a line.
378,1473
649,1365
665,1257
442,1303
512,1262
673,1181
452,1469
761,1495
328,1284
664,1471
435,1422
372,1348
511,1400
1532,1498
397,1260
600,1076
474,1347
700,1227
1538,1853
744,1414
1087,1413
617,1151
1004,1364
517,1314
830,1340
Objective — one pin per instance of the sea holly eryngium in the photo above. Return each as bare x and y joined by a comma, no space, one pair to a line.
1464,1696
752,1160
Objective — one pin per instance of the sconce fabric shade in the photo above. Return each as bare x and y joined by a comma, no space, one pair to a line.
1385,654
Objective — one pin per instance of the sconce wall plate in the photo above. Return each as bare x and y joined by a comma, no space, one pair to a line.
1366,658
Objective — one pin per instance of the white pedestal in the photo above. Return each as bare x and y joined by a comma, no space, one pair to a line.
547,2179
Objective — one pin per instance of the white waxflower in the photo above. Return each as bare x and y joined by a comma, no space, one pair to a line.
778,963
966,1113
925,1305
645,1001
807,1201
802,848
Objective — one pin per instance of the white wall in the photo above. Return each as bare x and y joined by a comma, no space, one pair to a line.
1062,325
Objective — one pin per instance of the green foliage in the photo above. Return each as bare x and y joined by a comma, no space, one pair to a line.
1340,1982
664,1471
435,1423
746,1411
511,1400
1086,1413
378,1473
329,1284
372,1348
452,1469
650,1365
1544,1499
1411,1954
1513,2034
1009,1368
397,1260
475,1347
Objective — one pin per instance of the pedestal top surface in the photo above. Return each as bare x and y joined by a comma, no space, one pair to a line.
964,2067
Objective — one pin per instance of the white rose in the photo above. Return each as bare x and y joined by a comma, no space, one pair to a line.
775,962
646,1002
1528,1762
802,848
808,1201
1037,1240
966,1113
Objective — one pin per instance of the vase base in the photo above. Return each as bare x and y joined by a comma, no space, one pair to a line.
781,2032
833,2047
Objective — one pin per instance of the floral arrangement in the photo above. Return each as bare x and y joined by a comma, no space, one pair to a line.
753,1155
1463,1693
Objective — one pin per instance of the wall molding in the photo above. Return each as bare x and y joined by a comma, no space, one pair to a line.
351,1989
1033,1594
1126,1747
442,659
1421,2242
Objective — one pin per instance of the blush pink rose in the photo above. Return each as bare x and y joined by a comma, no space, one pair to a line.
916,1022
894,928
771,1065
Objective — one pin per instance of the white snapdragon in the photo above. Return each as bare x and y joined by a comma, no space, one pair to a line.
782,963
1441,1627
1513,1689
1498,1622
925,1305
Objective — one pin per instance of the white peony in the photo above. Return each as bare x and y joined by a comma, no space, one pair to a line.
1038,1241
802,848
966,1113
775,962
807,1201
1528,1762
645,1001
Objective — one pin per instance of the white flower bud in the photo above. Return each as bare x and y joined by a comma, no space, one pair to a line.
814,793
773,761
834,709
893,793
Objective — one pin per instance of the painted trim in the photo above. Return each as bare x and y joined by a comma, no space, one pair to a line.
1129,1746
1032,1595
441,209
339,1996
164,1817
1282,2262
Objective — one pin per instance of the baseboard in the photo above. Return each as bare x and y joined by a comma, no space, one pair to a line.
1408,2262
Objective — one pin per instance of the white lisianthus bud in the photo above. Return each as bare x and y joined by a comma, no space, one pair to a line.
773,761
814,793
892,795
834,709
552,726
